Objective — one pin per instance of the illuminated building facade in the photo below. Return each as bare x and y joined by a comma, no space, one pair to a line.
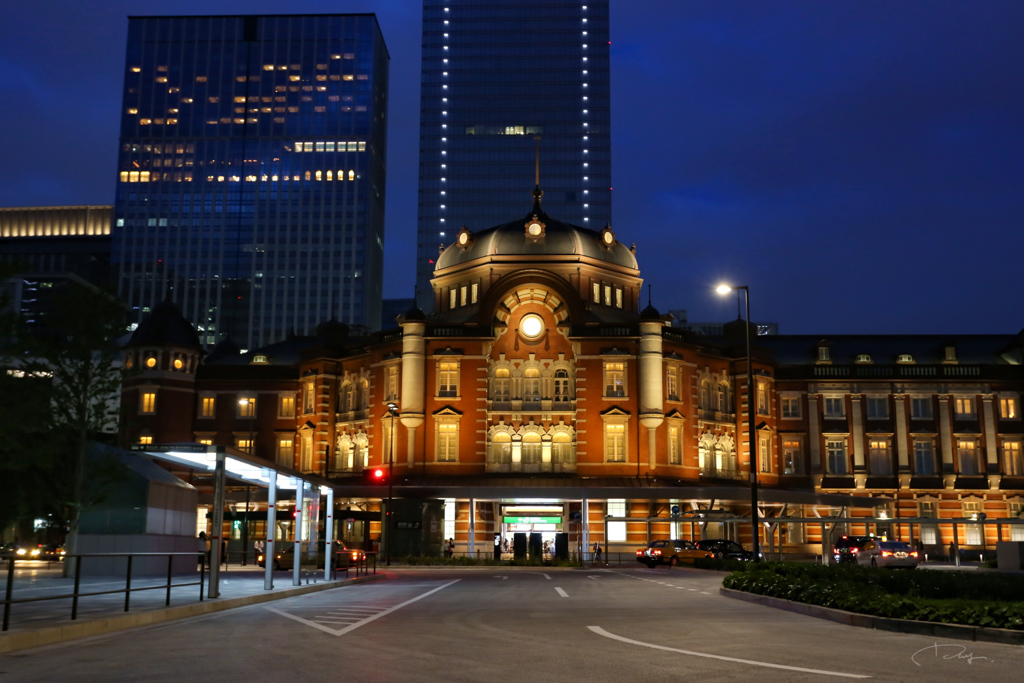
251,172
539,398
493,78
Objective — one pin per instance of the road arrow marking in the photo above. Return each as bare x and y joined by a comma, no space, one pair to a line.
561,592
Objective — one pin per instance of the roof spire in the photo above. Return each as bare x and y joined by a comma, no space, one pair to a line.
537,192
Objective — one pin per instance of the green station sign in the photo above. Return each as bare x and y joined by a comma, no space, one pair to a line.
533,520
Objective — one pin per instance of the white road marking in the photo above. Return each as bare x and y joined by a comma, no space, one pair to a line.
501,577
601,632
593,577
561,592
361,622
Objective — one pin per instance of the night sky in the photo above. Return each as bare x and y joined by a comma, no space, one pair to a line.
859,164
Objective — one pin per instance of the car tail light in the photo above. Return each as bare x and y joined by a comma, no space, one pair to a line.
639,552
355,556
655,552
854,551
886,553
913,553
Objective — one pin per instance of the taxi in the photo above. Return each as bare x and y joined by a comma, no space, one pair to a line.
670,553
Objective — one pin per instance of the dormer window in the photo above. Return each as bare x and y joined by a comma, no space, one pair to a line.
949,355
259,359
905,358
863,358
824,353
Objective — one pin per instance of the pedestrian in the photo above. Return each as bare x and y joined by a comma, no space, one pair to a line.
451,547
597,553
224,552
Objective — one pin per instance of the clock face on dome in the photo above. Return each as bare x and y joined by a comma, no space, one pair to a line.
534,228
464,238
532,326
608,237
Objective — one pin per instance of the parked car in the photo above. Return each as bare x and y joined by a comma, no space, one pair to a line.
723,549
284,556
670,553
847,548
876,553
49,552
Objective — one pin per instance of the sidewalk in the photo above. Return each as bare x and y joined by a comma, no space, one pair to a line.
49,621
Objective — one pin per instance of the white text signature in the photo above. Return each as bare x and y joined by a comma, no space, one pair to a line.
952,651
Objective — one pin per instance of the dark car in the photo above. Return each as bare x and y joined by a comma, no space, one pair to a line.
722,549
847,548
284,556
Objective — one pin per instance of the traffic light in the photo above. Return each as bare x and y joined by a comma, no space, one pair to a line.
377,475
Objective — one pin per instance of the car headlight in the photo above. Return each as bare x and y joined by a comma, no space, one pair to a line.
21,551
35,551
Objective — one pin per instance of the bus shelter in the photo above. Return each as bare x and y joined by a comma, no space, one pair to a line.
225,462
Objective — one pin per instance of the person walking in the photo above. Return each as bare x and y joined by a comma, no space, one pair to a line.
201,544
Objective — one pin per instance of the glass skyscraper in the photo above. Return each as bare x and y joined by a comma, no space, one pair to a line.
494,77
251,172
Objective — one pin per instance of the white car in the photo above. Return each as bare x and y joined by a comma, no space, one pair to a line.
888,554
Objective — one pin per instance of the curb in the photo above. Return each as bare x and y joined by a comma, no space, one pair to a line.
979,634
75,630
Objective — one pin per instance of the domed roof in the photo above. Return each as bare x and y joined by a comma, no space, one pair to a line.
165,326
558,239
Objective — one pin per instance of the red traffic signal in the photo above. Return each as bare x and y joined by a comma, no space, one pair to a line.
377,475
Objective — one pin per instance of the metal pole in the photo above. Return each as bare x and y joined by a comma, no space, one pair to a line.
170,564
472,528
128,584
268,548
751,407
78,579
297,535
386,530
329,536
218,526
245,526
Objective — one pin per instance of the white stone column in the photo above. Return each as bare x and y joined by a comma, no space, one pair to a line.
945,435
413,399
902,451
857,431
989,432
651,399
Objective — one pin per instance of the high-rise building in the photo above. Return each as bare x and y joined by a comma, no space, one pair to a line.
251,172
494,77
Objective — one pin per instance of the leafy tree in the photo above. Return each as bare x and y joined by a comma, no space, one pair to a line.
66,377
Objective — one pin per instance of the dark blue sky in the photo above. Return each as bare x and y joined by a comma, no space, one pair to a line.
859,164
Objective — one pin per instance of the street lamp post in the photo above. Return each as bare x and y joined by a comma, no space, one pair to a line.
725,289
252,451
392,409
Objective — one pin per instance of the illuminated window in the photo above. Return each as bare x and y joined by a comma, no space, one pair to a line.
615,442
607,295
447,442
473,290
501,385
447,379
675,454
672,383
879,456
614,380
452,298
151,362
1013,465
147,404
392,384
964,407
246,405
1008,409
286,452
762,398
790,407
286,406
351,175
244,445
307,400
792,456
205,442
207,406
836,461
764,452
967,456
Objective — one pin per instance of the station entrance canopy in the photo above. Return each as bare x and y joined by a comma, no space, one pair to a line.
223,462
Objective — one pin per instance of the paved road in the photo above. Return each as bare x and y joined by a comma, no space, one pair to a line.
516,625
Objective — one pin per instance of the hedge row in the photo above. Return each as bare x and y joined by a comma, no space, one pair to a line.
944,597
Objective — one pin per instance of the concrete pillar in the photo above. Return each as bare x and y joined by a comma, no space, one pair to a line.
471,550
268,549
216,533
296,578
329,535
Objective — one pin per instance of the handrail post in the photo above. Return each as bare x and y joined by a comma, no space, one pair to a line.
202,579
128,584
7,597
78,579
170,560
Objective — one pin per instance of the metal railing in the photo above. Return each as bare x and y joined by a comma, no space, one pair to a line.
127,590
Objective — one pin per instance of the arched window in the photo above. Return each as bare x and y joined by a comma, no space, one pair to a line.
562,450
501,448
705,396
562,386
362,454
348,397
343,455
501,385
723,398
531,384
531,448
